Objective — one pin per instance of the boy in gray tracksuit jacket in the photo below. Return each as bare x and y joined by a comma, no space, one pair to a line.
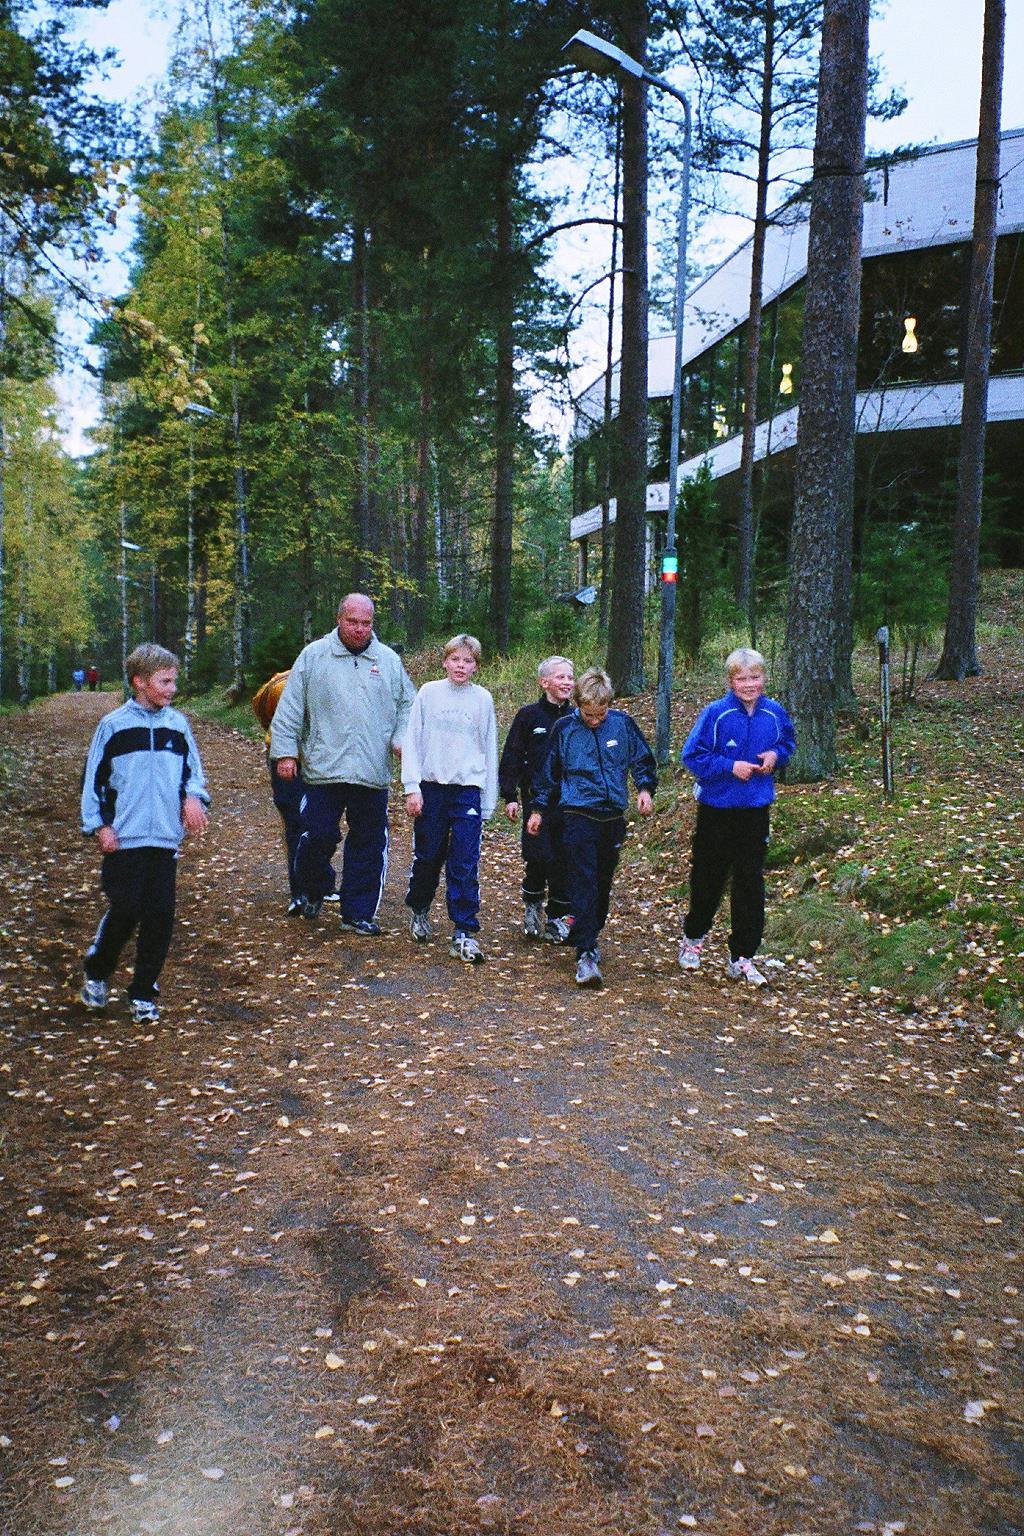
142,790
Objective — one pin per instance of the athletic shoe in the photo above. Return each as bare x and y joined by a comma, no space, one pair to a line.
465,947
144,1012
295,907
588,972
533,919
309,908
745,970
689,953
419,926
94,994
368,927
558,930
332,899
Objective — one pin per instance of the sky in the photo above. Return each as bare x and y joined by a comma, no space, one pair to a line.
928,49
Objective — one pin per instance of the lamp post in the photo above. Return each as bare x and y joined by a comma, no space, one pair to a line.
587,51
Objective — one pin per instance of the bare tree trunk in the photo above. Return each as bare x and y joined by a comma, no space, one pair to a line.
241,623
3,469
609,353
745,526
369,536
626,625
504,420
959,657
822,513
421,516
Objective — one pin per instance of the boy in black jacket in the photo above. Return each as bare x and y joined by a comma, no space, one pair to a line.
526,747
593,753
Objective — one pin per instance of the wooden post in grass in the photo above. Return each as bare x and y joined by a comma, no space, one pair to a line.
884,710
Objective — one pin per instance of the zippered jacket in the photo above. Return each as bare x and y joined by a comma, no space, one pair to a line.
526,747
725,734
341,712
141,765
588,770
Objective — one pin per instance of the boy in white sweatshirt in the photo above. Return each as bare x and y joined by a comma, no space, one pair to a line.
450,778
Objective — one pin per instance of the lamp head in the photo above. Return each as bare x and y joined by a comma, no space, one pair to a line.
588,51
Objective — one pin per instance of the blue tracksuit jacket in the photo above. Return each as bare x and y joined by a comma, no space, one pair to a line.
588,770
141,765
725,734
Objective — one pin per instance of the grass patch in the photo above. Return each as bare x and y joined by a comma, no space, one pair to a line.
913,960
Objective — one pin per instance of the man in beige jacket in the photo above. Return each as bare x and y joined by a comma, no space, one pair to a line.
342,713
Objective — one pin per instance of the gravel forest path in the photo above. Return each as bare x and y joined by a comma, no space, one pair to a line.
358,1239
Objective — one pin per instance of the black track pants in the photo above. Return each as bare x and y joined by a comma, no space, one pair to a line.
729,845
139,886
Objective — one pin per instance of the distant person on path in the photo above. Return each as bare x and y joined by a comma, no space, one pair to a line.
342,712
78,679
143,790
286,793
733,752
593,752
450,777
526,747
92,676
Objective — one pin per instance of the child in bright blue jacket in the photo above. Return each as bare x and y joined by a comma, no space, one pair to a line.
733,752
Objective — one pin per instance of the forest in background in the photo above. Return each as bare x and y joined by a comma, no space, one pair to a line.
340,308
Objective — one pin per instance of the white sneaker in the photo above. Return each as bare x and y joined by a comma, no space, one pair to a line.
419,926
588,969
143,1011
689,953
559,930
533,919
465,947
94,994
745,970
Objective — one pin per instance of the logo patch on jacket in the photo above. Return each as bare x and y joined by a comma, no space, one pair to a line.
540,730
613,742
730,742
374,670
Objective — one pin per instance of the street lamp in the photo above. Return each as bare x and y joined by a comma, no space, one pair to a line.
588,51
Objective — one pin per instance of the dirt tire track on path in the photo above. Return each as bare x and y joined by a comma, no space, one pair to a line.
538,1262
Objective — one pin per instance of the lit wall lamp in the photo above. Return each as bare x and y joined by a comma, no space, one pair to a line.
786,382
910,340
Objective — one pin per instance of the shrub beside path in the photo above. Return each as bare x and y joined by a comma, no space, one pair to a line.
360,1240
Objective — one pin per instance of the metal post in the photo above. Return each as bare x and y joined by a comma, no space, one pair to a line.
884,709
670,561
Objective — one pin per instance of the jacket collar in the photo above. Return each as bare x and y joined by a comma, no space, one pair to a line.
339,648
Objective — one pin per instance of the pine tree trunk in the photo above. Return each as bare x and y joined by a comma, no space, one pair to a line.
369,539
626,625
504,422
608,420
421,516
959,657
822,513
745,526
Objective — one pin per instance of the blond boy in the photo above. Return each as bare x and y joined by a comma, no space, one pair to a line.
593,752
522,757
450,777
143,789
733,751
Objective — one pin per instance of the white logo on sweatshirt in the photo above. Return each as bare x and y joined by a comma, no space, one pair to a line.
730,742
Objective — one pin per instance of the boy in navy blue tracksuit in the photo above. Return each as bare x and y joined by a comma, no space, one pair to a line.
142,790
733,751
593,752
526,747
